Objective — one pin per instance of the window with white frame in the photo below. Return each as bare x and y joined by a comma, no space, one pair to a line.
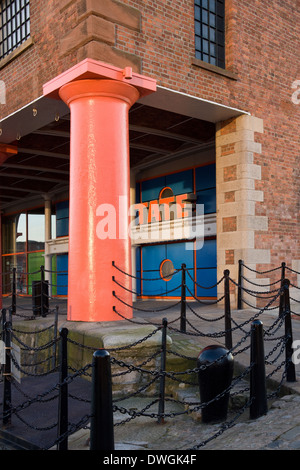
14,25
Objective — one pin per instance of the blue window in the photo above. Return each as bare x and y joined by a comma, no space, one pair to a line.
62,219
62,274
205,177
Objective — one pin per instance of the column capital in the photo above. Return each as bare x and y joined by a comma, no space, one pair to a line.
92,69
113,89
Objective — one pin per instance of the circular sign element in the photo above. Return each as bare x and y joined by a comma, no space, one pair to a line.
166,269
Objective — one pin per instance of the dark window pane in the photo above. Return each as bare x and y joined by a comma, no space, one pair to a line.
205,31
212,5
220,8
220,36
198,28
221,53
220,23
205,46
204,16
212,34
212,19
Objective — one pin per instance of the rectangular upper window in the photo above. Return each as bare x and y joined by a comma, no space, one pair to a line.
14,25
210,31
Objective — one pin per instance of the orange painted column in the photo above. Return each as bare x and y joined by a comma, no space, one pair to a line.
99,198
99,96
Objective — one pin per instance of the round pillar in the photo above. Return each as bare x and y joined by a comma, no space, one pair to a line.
99,198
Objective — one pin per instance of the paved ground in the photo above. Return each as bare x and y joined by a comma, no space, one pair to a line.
279,429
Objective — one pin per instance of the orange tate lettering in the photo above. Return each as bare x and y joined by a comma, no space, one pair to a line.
165,202
181,212
140,207
153,211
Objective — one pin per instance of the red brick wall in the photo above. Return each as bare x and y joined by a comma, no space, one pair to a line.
263,44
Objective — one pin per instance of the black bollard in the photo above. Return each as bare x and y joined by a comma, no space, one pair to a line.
162,382
258,389
215,376
290,366
63,411
227,311
102,425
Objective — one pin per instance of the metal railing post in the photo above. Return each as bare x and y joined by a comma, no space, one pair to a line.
183,299
283,265
289,364
239,293
42,291
102,426
281,298
55,336
162,383
227,311
63,392
258,389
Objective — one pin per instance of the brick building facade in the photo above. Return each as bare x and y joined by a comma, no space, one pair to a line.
242,116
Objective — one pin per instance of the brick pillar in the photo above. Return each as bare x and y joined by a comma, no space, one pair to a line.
237,197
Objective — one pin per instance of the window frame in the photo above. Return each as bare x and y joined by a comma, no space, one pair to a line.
14,25
209,32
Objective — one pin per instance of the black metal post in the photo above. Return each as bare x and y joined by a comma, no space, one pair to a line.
183,299
281,298
239,293
14,292
162,383
102,427
63,392
42,291
283,265
289,364
227,311
7,375
258,389
55,336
